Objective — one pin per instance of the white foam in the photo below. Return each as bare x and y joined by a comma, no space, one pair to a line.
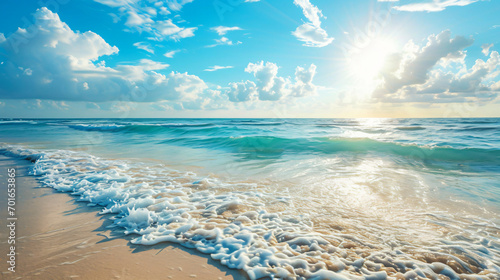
17,122
234,227
96,127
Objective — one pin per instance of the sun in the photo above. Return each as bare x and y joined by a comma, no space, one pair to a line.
364,64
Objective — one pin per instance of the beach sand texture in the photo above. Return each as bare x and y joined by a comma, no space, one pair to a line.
60,238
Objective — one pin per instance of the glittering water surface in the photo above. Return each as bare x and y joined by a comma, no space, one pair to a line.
288,198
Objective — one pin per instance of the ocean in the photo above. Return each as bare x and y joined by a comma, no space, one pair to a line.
287,198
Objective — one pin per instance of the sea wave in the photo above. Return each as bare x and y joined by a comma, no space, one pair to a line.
237,136
269,145
479,121
96,127
138,127
16,122
410,128
259,123
230,222
481,128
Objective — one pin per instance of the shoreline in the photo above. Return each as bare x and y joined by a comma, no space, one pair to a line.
344,225
58,237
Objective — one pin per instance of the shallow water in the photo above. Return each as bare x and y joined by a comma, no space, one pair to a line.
288,198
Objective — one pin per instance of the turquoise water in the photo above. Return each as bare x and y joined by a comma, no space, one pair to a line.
407,194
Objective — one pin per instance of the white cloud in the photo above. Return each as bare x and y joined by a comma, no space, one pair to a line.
434,6
303,81
38,103
2,38
222,30
486,49
135,19
176,5
59,105
167,28
150,65
144,46
217,67
162,106
149,17
223,41
311,12
266,74
311,32
242,91
63,65
113,3
312,36
496,86
170,54
46,104
437,73
55,65
209,100
122,107
269,86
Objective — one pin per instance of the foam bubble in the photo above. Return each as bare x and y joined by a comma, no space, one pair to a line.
236,224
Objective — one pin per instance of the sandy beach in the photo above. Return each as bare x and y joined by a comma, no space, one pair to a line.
60,238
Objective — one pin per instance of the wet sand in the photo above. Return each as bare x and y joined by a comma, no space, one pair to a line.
60,238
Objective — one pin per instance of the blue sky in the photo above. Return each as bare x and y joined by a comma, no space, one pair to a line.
236,58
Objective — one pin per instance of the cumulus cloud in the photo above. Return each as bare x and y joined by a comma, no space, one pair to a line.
242,91
437,73
311,32
269,86
53,62
434,6
149,17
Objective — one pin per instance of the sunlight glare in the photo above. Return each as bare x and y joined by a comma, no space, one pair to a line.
365,64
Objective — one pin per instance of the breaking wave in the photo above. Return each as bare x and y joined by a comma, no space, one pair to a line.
243,226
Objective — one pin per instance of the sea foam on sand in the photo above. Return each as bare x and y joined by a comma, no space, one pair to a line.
59,238
231,223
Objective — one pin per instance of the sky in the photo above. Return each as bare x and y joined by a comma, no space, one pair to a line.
249,58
